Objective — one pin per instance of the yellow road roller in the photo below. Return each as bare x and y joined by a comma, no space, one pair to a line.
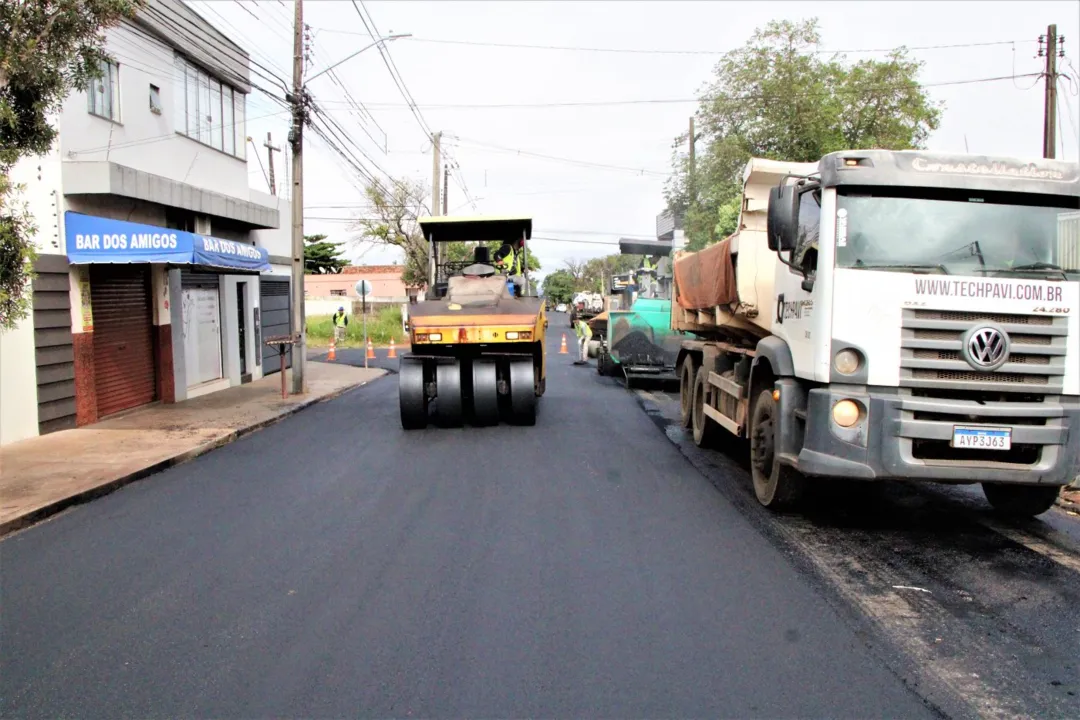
477,341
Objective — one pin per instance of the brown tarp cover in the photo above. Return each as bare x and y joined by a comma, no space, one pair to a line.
706,278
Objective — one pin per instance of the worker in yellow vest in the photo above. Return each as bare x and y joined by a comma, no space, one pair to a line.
340,321
584,335
510,262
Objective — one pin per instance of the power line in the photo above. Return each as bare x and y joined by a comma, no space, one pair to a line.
656,51
166,136
555,158
391,67
677,101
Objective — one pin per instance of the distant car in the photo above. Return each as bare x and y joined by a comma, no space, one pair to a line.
561,307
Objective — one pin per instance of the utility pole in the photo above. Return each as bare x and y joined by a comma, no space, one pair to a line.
1050,104
436,159
296,137
445,189
270,150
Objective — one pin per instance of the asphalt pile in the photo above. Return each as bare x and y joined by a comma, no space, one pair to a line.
636,348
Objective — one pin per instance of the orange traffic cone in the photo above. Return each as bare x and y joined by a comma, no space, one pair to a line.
333,352
370,350
393,349
562,347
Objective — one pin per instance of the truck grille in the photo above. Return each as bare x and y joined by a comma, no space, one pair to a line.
931,356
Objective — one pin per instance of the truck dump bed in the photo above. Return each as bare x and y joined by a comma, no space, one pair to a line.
726,289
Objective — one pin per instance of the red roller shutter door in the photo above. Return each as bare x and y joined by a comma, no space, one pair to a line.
123,337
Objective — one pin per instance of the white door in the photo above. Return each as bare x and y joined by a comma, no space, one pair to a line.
202,335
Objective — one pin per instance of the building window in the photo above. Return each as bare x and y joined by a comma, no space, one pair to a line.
155,99
337,293
103,95
209,111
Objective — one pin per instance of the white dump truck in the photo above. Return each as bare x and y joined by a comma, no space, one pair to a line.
892,315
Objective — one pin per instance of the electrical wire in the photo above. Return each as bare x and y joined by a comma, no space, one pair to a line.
554,158
159,138
654,51
234,53
765,97
391,67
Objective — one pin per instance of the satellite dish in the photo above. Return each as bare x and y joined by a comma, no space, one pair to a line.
363,287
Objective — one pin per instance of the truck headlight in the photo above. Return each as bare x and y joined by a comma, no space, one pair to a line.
511,335
435,337
847,361
846,413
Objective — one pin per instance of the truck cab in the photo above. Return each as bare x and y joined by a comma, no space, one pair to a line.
920,318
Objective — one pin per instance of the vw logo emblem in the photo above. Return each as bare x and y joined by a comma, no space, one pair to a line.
985,347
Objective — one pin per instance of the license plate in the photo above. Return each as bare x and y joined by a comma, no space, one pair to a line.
981,438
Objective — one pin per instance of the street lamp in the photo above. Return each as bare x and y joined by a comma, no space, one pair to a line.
386,39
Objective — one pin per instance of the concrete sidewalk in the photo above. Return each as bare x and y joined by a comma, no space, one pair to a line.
44,475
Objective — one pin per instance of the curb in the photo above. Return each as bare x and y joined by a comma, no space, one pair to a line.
83,496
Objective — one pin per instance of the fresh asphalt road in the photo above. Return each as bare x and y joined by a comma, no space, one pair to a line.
334,565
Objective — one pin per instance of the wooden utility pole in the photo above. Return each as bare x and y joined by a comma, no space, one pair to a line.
690,184
1050,104
445,189
270,150
296,137
436,160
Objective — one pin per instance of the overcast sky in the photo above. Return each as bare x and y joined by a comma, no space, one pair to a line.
451,61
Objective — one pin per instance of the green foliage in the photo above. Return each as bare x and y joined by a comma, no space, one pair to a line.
48,47
595,275
560,286
383,324
322,257
16,255
774,98
395,211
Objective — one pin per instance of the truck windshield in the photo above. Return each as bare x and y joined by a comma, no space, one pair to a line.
959,234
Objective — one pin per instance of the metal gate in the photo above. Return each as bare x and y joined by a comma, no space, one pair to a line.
124,375
201,328
274,309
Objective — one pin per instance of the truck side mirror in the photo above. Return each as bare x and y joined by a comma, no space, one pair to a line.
783,219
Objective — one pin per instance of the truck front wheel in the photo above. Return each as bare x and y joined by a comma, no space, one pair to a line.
1021,501
776,486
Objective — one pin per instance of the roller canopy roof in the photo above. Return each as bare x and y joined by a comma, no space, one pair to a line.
475,229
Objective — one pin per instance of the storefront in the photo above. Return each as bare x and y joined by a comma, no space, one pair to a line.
166,315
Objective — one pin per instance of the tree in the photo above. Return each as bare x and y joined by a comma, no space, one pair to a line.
559,286
322,257
775,98
594,275
598,271
48,47
395,211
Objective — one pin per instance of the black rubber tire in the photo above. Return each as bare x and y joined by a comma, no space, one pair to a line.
449,407
777,486
706,432
1021,501
485,393
686,393
411,395
522,392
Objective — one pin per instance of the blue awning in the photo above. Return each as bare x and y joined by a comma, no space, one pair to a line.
92,239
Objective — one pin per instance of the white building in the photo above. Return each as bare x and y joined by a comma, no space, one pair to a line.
160,270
